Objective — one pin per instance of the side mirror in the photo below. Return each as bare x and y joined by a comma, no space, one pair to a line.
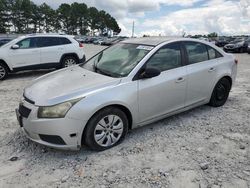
15,46
149,72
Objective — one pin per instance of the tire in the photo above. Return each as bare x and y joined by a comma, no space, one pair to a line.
100,134
220,93
241,50
69,61
4,71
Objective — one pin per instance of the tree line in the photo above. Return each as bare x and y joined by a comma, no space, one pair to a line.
24,16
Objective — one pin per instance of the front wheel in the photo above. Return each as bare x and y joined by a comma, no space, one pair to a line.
3,71
106,129
220,93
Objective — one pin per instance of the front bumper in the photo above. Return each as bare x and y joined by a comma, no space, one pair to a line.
68,131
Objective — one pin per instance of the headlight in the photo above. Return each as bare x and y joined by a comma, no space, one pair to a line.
56,111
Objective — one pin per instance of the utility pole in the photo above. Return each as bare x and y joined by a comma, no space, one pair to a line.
133,29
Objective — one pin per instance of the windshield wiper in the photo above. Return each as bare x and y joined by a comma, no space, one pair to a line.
98,70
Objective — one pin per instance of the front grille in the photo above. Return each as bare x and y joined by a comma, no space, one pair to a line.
24,111
52,139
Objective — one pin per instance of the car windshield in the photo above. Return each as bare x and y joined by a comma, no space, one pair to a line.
237,41
118,60
4,42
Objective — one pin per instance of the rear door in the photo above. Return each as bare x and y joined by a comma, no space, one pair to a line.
28,53
201,71
51,49
167,92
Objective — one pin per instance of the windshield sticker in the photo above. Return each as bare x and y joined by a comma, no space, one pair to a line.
142,47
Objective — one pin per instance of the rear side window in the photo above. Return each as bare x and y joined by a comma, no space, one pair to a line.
168,57
197,52
49,41
52,41
213,54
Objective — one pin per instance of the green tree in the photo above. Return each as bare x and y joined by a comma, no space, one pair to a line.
93,18
26,14
4,16
212,35
64,13
83,18
49,17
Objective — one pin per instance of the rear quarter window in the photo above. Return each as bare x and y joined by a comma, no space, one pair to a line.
65,41
197,52
212,53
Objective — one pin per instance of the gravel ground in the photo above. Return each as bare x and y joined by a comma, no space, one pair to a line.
202,148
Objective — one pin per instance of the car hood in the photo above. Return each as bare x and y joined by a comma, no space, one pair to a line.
67,84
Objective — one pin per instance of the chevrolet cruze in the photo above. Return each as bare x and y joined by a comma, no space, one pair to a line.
130,84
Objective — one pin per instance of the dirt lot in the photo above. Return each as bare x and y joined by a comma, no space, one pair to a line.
202,148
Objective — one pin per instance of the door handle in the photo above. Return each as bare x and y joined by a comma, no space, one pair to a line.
35,51
179,80
211,69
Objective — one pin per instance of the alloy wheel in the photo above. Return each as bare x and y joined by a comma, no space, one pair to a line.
69,62
2,72
108,131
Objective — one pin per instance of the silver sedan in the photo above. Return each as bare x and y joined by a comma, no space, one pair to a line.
130,84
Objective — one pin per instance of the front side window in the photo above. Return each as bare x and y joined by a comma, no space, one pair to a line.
197,52
168,57
118,60
27,43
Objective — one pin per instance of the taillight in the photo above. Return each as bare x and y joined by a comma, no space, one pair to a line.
236,61
80,45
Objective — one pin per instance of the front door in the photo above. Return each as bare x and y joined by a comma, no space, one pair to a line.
28,54
165,93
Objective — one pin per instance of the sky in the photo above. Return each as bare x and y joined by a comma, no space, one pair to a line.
174,17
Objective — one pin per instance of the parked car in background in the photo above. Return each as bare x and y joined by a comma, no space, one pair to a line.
98,40
239,45
130,84
89,40
248,49
112,41
40,52
4,41
81,39
221,43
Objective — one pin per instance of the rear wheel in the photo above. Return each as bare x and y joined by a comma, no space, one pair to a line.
106,129
69,61
220,93
3,71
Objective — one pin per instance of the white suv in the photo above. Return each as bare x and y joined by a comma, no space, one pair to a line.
40,52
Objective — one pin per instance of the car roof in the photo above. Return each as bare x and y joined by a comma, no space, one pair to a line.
151,41
48,35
